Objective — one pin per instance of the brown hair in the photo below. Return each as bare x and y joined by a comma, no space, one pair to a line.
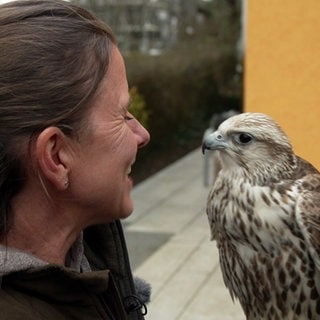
53,57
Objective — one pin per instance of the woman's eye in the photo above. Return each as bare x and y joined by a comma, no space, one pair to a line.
128,116
243,138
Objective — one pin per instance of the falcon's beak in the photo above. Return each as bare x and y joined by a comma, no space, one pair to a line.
214,141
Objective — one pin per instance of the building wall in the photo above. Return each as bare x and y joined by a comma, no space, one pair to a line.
282,69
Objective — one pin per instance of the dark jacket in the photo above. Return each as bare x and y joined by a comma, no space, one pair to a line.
36,290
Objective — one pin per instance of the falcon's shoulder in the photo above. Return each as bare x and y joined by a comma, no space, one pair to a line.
308,206
304,169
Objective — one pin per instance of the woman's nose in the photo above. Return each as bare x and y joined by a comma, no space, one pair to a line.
143,136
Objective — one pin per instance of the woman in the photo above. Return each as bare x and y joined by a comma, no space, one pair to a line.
67,144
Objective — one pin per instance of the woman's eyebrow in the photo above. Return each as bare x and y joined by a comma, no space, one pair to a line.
129,102
125,107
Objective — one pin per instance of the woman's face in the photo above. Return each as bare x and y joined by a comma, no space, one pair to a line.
105,155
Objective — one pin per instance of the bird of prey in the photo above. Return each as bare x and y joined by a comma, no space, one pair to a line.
264,214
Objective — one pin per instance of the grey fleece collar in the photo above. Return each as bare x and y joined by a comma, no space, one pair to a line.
12,260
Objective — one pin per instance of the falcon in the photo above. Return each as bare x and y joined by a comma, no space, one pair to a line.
264,214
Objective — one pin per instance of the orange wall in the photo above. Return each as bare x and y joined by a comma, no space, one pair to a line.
282,69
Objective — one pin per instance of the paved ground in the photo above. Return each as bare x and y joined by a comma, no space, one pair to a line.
168,238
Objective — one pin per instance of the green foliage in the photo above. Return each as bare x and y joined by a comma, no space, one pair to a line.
138,107
181,90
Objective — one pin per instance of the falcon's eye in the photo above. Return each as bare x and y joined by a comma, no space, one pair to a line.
243,138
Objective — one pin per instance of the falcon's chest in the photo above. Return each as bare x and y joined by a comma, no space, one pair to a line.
254,216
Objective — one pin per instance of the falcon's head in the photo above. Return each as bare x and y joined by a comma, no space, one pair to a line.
254,145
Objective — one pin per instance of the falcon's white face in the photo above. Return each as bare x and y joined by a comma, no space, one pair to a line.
254,144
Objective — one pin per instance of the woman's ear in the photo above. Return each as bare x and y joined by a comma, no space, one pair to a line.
53,157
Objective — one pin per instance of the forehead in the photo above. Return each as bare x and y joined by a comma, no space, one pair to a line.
114,85
116,73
